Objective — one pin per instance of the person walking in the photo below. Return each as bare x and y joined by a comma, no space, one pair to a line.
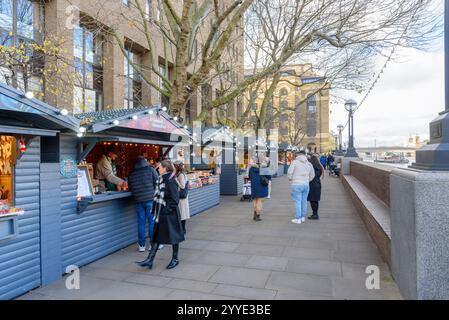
168,227
183,184
315,186
300,174
260,181
142,183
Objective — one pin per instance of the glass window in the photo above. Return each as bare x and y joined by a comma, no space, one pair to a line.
149,9
312,80
125,2
284,104
7,162
88,52
133,82
283,92
21,23
311,104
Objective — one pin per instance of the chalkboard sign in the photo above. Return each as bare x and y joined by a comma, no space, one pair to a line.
85,187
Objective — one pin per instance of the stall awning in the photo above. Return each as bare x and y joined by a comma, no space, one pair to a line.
17,110
138,121
27,131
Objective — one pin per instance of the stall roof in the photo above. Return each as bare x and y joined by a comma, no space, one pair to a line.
142,119
18,109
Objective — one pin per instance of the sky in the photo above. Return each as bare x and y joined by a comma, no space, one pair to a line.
409,95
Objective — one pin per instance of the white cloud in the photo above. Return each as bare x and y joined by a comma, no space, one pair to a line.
408,96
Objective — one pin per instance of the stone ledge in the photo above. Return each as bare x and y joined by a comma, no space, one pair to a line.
374,213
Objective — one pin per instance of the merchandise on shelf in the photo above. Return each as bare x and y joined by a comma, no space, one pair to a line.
6,210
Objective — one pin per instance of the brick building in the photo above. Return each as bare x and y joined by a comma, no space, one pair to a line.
300,110
95,73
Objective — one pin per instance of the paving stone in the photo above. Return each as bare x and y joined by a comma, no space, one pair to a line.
191,285
315,267
129,291
261,250
358,257
241,277
194,244
245,292
308,283
267,263
223,259
147,279
307,253
351,289
222,246
358,271
191,271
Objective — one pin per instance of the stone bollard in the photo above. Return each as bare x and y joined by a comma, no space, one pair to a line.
420,233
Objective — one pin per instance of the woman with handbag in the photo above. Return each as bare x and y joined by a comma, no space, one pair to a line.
260,180
168,227
183,184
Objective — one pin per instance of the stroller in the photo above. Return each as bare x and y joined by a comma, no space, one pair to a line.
246,191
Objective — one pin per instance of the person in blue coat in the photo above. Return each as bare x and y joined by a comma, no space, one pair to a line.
260,179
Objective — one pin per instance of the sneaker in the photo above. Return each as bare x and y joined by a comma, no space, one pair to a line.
161,246
142,249
296,221
303,219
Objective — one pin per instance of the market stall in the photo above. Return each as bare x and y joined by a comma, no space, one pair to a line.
215,149
30,195
286,156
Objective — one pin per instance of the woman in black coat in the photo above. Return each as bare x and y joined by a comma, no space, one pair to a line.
315,186
168,228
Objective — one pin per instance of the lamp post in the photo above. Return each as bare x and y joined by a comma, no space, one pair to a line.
351,106
435,156
340,140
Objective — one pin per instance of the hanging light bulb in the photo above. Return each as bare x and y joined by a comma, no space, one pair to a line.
116,122
29,95
164,109
64,112
82,129
175,118
135,117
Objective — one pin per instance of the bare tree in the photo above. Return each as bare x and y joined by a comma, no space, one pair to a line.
339,39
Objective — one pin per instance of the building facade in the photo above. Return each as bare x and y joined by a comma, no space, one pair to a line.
299,108
89,71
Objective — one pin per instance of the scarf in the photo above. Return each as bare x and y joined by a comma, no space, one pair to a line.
159,195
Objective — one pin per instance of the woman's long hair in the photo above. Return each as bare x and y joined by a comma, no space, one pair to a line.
179,166
315,162
168,165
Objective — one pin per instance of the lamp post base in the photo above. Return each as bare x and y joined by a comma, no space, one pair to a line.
435,156
339,153
351,153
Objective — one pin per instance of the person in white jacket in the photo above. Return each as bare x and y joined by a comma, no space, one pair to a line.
300,174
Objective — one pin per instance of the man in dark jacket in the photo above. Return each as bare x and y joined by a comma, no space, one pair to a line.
142,183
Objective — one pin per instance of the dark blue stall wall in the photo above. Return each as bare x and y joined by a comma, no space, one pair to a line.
204,198
230,180
20,260
101,230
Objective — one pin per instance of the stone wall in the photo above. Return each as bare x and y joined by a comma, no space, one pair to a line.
374,177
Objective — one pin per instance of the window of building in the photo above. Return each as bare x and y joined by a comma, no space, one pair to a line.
311,104
283,92
7,163
312,80
284,105
149,9
125,2
21,24
133,82
164,100
88,51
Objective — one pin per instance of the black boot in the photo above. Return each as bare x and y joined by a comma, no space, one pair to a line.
174,261
148,262
314,217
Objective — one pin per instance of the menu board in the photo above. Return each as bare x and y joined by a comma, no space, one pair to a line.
85,188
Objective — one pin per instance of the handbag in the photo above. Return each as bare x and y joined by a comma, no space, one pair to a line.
264,181
184,192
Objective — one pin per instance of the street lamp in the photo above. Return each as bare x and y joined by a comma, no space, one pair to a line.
435,156
351,106
340,140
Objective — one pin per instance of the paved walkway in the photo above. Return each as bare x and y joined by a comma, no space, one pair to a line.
228,256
